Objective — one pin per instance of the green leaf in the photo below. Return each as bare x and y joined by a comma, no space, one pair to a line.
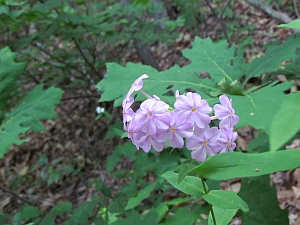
9,73
47,6
81,214
127,149
38,104
226,200
29,212
47,220
285,117
222,216
119,79
143,194
231,165
262,201
9,133
133,218
186,215
185,168
273,57
61,208
189,185
259,144
163,208
293,25
215,58
257,108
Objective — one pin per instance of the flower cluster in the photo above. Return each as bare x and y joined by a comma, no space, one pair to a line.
155,122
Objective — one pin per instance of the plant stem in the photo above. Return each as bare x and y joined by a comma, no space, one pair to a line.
210,206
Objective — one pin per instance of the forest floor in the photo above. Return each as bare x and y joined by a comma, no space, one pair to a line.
76,138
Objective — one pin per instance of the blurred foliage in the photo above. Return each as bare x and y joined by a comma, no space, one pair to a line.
68,42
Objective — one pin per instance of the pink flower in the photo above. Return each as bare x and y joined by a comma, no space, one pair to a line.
133,130
225,112
127,111
137,85
204,141
147,139
179,128
154,114
194,108
227,139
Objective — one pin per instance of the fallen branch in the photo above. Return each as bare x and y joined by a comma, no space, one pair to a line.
283,17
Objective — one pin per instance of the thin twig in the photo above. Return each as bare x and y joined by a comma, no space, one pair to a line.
296,8
15,195
271,12
84,56
223,26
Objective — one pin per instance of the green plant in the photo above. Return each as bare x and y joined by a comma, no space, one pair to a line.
255,107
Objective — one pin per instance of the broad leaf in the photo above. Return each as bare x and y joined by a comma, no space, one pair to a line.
262,201
163,207
226,200
186,215
231,165
258,108
222,216
189,185
215,58
9,73
287,117
61,208
119,79
273,57
37,105
29,212
9,133
134,218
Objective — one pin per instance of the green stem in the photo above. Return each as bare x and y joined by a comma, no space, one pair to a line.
210,206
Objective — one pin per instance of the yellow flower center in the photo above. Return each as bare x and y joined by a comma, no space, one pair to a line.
194,110
205,143
172,129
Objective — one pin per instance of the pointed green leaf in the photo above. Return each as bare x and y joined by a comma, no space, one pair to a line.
262,201
289,111
189,185
226,200
222,216
185,168
293,25
143,194
215,58
273,57
231,165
